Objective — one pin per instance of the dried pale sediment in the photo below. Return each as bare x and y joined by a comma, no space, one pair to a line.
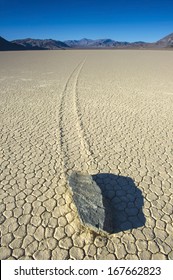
106,112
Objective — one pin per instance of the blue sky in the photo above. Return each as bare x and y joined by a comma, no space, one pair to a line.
135,20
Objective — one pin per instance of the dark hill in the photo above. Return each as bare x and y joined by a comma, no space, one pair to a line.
47,44
9,46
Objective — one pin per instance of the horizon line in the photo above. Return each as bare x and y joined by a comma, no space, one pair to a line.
82,38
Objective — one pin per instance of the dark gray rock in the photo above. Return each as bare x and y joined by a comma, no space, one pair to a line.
94,209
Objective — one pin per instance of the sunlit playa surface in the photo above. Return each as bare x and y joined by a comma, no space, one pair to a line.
104,113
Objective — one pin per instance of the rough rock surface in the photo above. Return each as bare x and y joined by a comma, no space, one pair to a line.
93,208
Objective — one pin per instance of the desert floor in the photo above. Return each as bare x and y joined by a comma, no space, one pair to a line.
102,112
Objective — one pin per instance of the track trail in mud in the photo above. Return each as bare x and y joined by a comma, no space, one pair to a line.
75,150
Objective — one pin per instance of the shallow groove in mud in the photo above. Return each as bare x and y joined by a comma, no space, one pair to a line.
75,150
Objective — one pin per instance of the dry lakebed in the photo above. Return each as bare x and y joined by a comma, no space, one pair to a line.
107,113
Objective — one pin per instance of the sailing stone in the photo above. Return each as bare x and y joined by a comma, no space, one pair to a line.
93,208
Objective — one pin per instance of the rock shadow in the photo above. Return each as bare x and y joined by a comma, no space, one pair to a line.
122,199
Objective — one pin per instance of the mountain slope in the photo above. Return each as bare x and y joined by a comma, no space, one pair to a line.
9,46
88,43
166,42
78,43
103,43
47,44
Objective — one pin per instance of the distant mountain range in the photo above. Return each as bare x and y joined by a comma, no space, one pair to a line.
49,44
31,44
102,43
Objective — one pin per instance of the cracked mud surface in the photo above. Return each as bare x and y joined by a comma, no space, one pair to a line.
108,113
